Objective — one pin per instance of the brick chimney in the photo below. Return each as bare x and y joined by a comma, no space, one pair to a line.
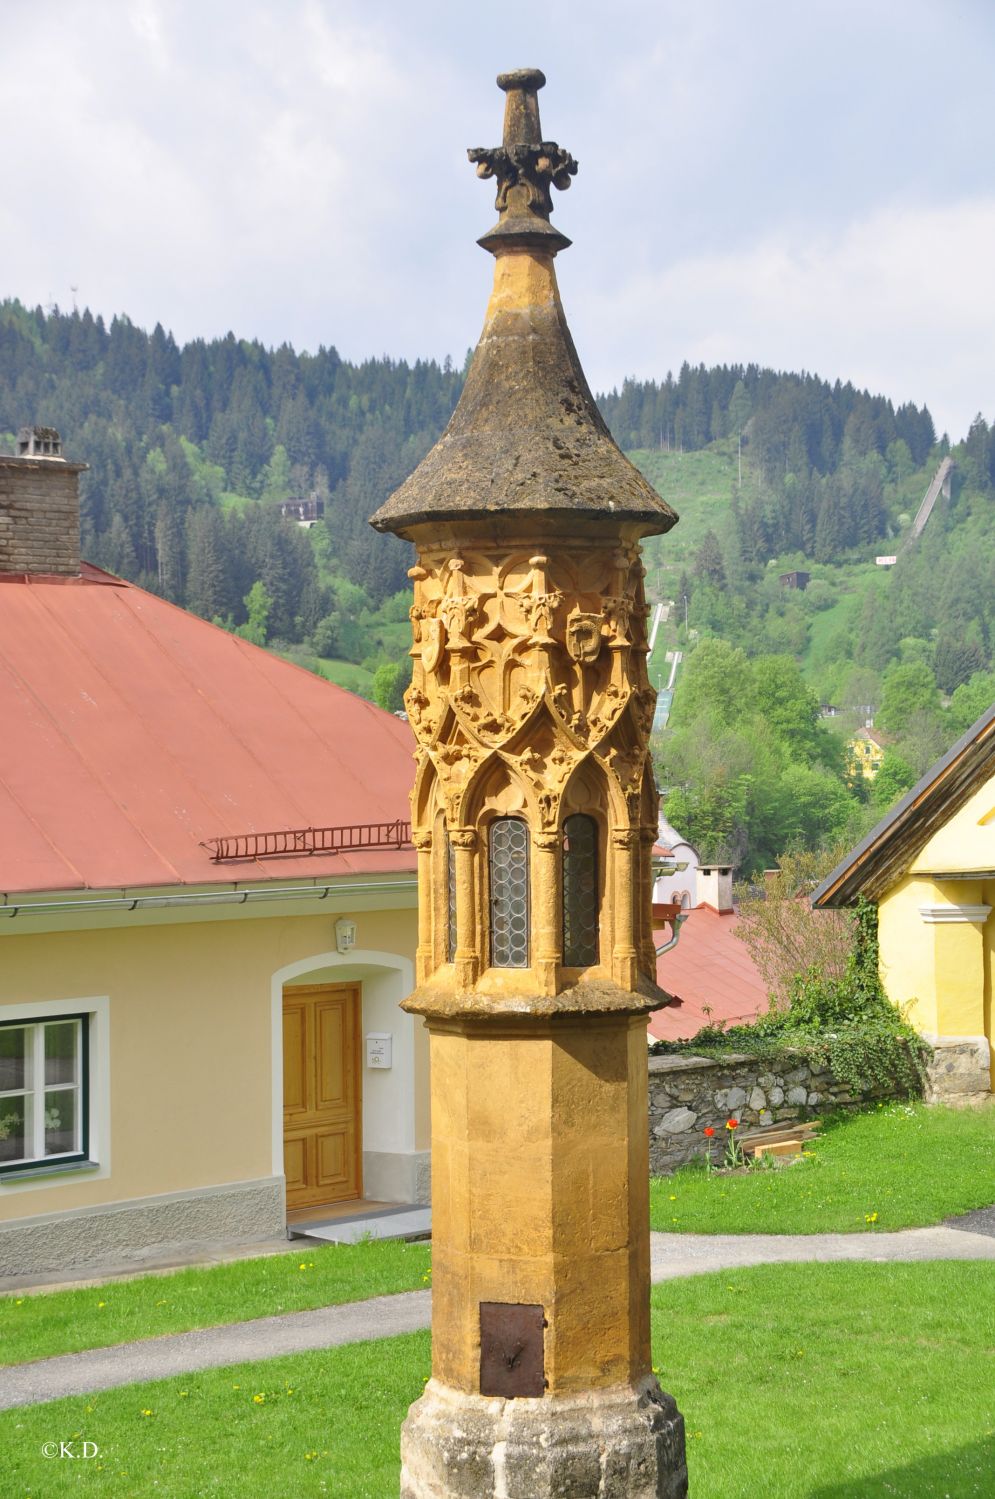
39,507
715,887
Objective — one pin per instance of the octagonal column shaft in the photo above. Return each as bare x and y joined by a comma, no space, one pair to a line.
540,1194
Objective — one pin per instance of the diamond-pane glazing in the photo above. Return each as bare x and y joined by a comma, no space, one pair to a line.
580,891
509,873
451,898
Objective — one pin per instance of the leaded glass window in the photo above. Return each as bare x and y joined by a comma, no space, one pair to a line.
451,901
580,891
509,879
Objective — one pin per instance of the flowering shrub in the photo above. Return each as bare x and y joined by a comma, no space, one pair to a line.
847,1025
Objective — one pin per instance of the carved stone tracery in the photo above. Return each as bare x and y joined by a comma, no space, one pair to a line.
529,664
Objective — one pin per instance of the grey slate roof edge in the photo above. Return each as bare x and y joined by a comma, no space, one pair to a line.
895,821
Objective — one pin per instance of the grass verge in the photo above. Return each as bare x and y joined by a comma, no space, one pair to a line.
833,1381
796,1381
897,1166
51,1322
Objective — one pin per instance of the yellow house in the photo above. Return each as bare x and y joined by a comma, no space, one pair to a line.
866,750
207,919
930,866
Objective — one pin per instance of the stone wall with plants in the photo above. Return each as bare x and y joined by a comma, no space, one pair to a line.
833,1040
688,1094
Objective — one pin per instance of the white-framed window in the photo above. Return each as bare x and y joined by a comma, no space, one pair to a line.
44,1098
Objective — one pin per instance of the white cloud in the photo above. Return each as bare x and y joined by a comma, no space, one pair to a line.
297,171
896,302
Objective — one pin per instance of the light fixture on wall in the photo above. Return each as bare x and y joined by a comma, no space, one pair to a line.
345,934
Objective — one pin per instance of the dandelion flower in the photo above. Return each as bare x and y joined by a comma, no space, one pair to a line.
259,1399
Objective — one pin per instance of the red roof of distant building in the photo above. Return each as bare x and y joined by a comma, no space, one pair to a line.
132,731
708,969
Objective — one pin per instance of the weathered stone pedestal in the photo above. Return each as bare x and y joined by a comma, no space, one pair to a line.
623,1442
541,1205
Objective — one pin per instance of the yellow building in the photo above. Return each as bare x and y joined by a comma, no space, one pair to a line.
930,866
866,750
207,919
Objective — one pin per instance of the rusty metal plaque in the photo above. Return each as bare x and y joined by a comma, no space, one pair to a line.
511,1349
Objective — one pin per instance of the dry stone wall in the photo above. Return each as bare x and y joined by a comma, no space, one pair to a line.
688,1093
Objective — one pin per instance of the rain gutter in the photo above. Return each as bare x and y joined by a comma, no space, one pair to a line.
204,898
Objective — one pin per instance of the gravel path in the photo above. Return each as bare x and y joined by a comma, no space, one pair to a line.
385,1316
695,1254
212,1347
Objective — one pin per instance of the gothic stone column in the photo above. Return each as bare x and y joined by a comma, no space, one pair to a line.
531,709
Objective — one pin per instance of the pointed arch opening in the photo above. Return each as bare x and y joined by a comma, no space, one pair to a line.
450,899
581,891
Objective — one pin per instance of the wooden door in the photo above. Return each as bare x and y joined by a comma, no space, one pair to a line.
321,1094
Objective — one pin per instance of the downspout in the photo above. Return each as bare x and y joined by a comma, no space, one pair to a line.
675,926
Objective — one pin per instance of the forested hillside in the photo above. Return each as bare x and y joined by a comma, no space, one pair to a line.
192,448
179,440
776,678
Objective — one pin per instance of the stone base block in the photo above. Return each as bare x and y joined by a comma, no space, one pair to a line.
620,1443
397,1175
959,1073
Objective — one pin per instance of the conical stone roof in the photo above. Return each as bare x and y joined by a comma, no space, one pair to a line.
526,435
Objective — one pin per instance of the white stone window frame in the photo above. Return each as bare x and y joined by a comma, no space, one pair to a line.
50,1171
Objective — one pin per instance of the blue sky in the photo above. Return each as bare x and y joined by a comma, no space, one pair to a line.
808,185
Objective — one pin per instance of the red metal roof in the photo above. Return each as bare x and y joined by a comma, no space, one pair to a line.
709,968
132,731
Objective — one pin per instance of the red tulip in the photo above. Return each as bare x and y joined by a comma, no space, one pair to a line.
732,1124
709,1131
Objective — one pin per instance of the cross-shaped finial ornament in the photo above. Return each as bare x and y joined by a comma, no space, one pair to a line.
526,167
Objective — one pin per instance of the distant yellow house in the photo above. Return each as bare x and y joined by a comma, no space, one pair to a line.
930,866
866,749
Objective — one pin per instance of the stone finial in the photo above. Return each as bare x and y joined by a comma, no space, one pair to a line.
526,167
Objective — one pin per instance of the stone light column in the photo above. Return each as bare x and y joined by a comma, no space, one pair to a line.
534,812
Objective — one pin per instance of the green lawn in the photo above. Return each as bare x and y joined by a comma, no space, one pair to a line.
908,1164
347,674
700,487
833,1381
49,1322
796,1381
